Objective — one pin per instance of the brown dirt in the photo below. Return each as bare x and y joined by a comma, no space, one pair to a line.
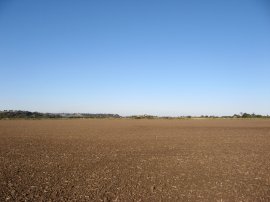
135,160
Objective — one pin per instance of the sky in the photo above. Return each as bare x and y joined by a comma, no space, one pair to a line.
173,57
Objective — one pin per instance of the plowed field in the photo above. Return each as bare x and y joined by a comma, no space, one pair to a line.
135,160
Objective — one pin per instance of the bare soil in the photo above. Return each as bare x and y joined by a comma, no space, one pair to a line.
135,160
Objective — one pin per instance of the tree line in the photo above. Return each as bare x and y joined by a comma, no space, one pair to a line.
18,114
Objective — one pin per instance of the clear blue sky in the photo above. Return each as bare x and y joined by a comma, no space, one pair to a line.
172,57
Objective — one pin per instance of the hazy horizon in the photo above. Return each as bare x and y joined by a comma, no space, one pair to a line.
131,58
